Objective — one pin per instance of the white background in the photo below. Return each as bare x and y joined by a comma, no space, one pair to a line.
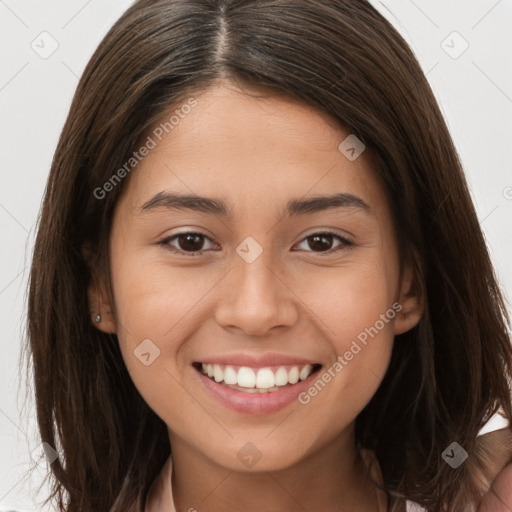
474,91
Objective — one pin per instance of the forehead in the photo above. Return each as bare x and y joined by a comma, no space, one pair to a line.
252,146
255,114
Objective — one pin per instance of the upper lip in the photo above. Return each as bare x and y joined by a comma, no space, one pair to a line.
257,361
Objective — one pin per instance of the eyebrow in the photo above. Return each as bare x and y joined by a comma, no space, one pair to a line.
175,201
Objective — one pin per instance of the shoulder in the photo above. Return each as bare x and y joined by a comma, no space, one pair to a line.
498,448
499,497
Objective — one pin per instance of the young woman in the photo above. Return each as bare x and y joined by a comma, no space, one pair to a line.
259,282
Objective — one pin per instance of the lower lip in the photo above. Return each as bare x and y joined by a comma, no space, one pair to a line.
254,403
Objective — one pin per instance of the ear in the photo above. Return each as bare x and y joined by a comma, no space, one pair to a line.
411,300
99,302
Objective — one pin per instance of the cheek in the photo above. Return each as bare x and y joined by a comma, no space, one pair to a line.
349,298
156,311
357,309
360,359
154,299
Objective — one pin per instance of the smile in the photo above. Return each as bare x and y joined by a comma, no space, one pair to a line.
257,380
255,387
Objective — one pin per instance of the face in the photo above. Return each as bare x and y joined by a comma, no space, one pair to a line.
283,282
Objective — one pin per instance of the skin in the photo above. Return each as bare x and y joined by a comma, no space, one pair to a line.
499,498
294,299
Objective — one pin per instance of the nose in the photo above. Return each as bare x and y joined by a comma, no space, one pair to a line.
257,298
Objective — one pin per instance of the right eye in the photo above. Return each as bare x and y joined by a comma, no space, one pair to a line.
189,243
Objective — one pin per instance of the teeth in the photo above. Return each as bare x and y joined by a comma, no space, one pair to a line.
293,375
246,377
281,377
265,378
305,372
257,380
230,376
218,374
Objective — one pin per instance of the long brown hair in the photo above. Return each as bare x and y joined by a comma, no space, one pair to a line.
447,375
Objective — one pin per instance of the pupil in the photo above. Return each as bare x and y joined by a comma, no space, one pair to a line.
317,242
190,240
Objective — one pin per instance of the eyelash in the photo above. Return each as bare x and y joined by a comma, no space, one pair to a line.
165,242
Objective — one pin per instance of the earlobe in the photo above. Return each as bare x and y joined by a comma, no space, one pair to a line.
411,300
100,308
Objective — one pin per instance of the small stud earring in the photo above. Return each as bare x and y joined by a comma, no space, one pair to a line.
98,319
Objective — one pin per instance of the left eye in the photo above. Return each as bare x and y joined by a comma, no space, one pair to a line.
319,241
191,243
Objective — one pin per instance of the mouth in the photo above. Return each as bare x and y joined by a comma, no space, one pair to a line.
248,379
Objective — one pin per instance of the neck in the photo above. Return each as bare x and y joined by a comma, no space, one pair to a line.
332,478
